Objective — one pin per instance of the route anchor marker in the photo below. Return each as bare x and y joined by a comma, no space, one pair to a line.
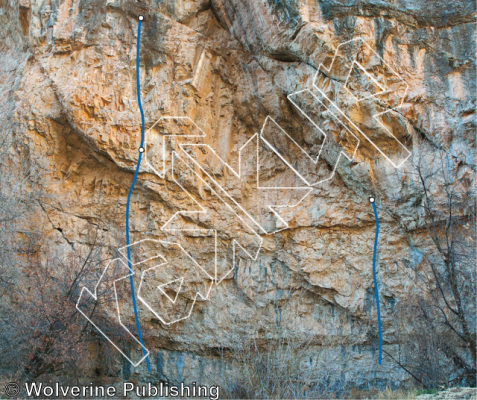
376,289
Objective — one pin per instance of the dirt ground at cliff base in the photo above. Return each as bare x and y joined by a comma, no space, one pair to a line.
417,394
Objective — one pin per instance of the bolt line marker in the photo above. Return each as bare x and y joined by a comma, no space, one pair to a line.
138,89
376,290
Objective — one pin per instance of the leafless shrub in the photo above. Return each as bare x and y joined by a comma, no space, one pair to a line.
283,369
284,364
438,340
41,331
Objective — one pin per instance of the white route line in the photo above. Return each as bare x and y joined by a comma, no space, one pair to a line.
162,288
234,241
317,159
240,175
203,210
383,91
228,200
144,274
95,297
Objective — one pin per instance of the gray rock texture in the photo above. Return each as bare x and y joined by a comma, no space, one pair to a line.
68,93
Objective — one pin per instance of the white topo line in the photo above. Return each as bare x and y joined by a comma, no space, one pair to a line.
227,199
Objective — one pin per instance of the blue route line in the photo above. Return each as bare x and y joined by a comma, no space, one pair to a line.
138,89
376,290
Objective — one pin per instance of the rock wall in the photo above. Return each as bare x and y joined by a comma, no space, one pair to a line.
69,95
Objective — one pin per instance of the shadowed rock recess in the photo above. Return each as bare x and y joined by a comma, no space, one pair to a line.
69,113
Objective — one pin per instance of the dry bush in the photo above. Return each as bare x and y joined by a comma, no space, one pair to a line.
425,349
438,322
283,368
41,331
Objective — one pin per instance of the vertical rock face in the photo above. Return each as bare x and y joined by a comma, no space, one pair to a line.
68,94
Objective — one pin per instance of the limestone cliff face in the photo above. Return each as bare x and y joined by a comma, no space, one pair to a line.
69,94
